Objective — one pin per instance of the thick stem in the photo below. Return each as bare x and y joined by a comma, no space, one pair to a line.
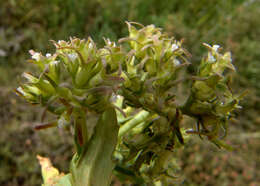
140,117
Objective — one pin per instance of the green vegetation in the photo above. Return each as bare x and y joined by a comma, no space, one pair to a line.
140,80
31,24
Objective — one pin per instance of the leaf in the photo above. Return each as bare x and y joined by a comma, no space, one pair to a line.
51,175
95,164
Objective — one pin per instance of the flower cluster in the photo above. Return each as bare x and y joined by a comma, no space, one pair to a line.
211,101
150,69
137,76
73,81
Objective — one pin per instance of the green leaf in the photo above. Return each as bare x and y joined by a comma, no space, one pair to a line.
95,164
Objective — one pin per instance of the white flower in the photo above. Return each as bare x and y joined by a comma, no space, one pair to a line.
211,58
20,90
216,47
48,55
60,42
54,62
189,130
119,97
62,122
72,56
90,46
111,43
36,56
174,47
176,62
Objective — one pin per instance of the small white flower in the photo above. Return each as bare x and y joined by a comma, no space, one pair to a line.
189,130
54,62
62,122
119,97
109,42
176,62
36,56
90,46
72,56
216,47
48,55
174,47
211,58
20,90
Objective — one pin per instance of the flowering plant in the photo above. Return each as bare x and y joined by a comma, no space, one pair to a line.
131,86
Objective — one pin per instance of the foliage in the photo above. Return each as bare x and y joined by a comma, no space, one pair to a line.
31,24
141,77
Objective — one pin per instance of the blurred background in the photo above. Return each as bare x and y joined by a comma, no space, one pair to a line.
31,24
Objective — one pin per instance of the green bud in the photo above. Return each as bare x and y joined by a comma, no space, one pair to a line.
64,92
199,107
82,75
28,96
86,72
97,79
202,91
54,71
41,86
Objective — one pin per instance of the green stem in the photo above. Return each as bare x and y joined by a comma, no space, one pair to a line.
140,117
